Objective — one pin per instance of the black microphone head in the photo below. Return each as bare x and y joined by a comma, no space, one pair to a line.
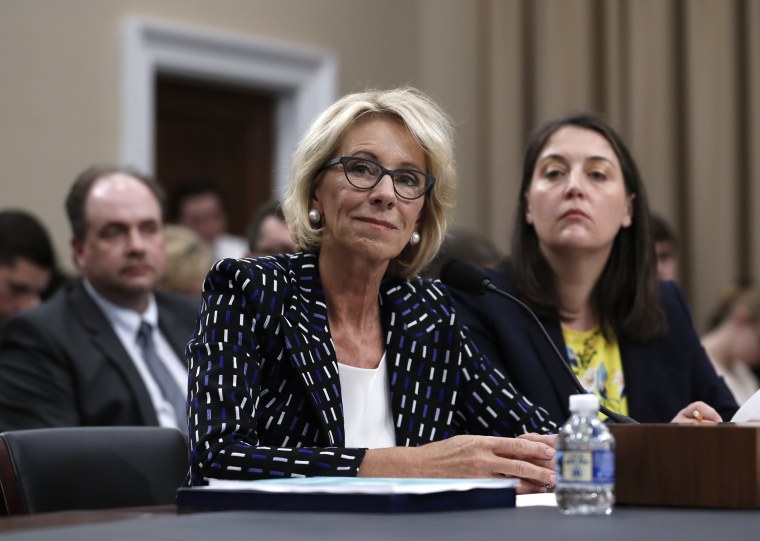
464,276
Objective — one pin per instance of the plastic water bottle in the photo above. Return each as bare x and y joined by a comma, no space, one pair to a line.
585,461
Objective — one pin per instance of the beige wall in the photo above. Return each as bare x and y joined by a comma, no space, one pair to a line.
666,73
60,60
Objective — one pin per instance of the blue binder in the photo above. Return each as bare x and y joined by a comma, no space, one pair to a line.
351,495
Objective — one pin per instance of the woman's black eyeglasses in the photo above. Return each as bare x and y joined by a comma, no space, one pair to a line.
364,174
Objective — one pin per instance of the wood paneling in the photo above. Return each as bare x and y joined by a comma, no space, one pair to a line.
219,134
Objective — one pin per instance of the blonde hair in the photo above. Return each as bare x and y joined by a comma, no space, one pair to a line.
188,260
430,127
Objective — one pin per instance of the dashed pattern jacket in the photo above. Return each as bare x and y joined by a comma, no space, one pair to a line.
264,394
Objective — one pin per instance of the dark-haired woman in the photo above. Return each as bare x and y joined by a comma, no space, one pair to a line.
582,257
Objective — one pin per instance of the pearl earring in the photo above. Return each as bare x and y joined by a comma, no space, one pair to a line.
314,216
415,239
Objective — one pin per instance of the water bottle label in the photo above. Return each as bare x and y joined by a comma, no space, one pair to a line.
593,467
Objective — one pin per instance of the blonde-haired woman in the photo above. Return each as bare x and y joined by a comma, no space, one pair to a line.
337,360
188,259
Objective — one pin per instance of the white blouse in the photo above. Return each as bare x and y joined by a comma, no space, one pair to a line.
367,415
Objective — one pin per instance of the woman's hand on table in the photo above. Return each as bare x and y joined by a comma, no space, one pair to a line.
697,412
530,458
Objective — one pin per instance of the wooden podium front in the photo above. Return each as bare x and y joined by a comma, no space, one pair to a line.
688,465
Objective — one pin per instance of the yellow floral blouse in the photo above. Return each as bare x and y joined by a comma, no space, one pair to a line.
598,365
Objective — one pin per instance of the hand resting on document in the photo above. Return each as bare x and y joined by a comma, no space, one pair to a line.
529,458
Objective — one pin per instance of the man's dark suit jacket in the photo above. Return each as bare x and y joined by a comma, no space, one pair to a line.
62,364
661,377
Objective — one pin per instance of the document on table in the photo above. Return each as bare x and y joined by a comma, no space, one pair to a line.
360,485
750,410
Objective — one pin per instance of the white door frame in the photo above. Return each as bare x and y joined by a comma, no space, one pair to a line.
303,80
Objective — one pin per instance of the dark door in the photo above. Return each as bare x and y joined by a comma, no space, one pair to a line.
218,133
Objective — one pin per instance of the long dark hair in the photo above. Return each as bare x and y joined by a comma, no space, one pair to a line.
626,296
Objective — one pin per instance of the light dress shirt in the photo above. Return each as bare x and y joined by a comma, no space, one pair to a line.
741,380
126,323
229,246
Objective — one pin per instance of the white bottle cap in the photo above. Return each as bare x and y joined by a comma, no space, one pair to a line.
584,402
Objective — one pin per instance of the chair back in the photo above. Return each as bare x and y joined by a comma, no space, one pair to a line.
55,469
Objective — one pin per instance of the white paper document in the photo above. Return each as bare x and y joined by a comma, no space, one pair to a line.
750,410
360,485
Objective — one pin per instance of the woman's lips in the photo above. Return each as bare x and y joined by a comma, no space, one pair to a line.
574,213
379,223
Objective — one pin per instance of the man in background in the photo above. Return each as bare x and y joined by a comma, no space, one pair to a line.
199,206
666,249
267,232
27,262
464,244
108,350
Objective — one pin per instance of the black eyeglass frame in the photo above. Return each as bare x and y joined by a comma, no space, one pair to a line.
343,160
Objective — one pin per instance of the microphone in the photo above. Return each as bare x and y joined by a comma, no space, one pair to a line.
472,280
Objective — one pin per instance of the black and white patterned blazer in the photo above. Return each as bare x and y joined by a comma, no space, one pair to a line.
264,392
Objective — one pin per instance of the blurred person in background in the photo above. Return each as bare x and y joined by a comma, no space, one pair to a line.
108,349
199,206
733,341
465,245
666,249
188,260
267,232
27,262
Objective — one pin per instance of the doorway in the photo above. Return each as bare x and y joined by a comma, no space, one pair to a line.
219,133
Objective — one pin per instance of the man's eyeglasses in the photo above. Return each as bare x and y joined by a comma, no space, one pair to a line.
364,174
